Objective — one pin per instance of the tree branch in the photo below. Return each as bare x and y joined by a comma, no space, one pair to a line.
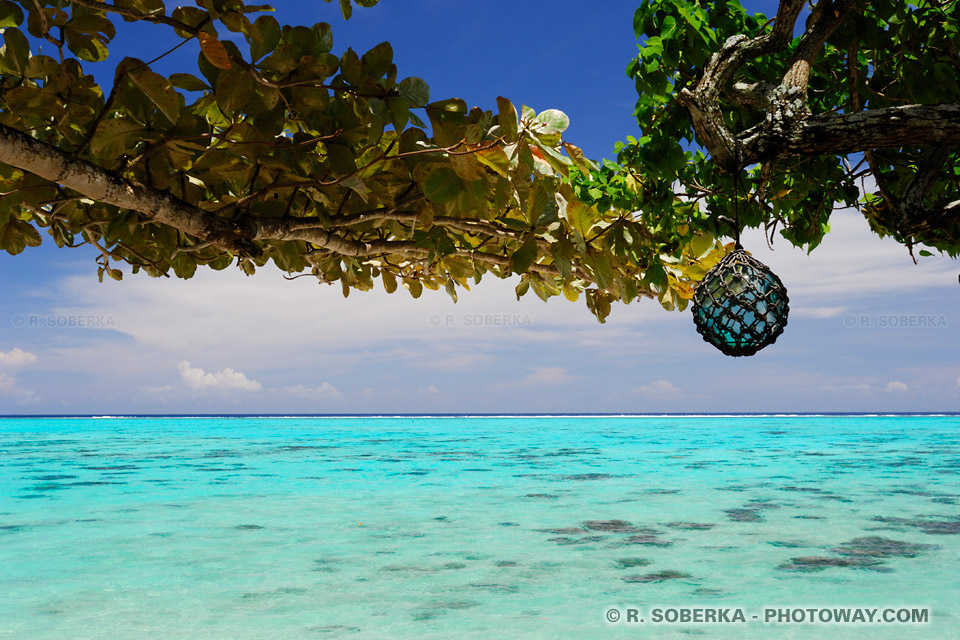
841,134
235,236
19,150
827,16
786,103
702,101
758,94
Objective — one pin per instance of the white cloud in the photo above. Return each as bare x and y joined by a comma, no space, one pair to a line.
659,388
545,377
225,379
895,386
325,390
445,361
817,312
9,387
157,391
958,382
299,323
852,262
203,319
842,388
429,389
17,358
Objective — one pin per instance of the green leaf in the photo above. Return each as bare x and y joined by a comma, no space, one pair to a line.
188,82
159,90
30,234
389,281
413,286
16,50
581,217
508,119
350,66
668,27
358,185
579,159
551,121
376,62
399,112
525,256
537,203
234,88
141,6
495,158
86,47
270,33
91,24
451,289
442,185
600,266
415,91
115,137
10,14
11,239
323,34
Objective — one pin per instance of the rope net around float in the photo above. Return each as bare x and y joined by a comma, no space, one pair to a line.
740,306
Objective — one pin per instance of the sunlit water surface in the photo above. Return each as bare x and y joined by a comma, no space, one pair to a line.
462,527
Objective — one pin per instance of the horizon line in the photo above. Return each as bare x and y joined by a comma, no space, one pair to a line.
785,414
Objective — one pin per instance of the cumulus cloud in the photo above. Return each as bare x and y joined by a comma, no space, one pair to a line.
16,358
659,388
325,390
9,387
225,379
895,386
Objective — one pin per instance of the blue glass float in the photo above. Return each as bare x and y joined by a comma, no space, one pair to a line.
740,306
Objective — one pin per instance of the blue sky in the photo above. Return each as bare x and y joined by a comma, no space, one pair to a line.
868,330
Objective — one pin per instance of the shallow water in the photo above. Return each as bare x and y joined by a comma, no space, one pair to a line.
472,527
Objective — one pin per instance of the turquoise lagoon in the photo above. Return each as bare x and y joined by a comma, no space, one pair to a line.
473,527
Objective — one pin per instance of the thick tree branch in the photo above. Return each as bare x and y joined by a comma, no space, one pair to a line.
841,134
758,94
19,150
702,101
235,236
827,16
785,104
